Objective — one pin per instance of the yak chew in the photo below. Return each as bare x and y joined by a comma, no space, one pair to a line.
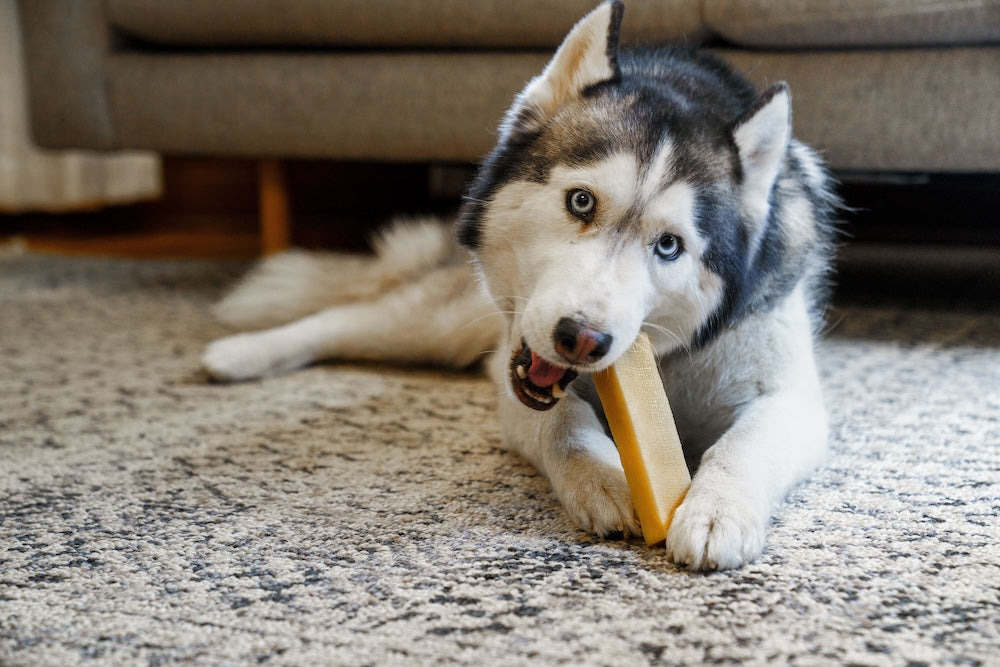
642,425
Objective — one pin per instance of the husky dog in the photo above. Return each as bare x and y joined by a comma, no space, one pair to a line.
650,190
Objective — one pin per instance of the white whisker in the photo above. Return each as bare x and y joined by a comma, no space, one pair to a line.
669,334
512,297
479,319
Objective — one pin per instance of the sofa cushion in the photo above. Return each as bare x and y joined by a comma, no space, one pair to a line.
913,110
410,107
387,23
892,110
847,23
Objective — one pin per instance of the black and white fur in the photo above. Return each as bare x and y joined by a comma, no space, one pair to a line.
651,189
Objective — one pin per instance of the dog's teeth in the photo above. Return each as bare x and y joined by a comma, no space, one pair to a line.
521,372
541,398
557,391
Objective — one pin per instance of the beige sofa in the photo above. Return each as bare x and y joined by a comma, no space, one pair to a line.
897,85
878,85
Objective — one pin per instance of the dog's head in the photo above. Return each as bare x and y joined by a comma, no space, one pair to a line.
613,202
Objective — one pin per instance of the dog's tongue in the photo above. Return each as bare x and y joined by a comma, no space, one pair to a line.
542,373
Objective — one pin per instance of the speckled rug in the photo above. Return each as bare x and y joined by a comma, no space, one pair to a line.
365,515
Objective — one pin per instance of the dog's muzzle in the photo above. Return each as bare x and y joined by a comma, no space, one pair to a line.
537,383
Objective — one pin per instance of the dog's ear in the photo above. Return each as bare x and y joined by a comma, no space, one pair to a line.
587,56
762,135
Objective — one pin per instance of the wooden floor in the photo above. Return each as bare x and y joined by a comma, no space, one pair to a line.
211,208
149,245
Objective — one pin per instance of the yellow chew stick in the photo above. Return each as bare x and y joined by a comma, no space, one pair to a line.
643,428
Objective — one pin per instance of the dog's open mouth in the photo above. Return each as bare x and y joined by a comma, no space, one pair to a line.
536,382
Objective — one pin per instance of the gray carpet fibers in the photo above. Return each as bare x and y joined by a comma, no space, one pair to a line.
360,514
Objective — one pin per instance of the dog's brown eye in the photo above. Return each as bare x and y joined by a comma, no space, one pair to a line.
581,203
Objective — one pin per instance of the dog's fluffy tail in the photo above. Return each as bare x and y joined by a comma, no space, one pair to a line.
297,283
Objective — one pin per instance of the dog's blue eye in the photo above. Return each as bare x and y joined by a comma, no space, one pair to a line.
669,247
581,203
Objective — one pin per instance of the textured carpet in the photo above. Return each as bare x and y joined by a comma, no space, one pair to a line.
355,514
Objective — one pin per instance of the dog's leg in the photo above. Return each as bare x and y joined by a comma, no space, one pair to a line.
774,444
568,445
777,438
443,318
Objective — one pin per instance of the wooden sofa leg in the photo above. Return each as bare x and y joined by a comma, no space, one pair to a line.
275,208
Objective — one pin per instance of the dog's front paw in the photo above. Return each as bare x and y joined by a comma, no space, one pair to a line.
239,357
596,497
718,526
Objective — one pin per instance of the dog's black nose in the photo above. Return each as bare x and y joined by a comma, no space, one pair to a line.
579,344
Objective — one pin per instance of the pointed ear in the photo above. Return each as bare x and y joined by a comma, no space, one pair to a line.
587,56
762,135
